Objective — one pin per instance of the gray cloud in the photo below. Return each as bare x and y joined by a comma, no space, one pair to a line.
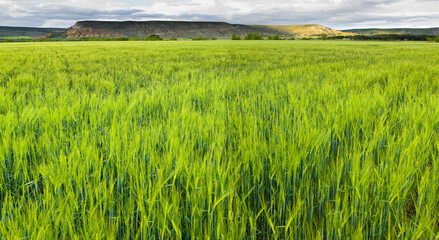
339,14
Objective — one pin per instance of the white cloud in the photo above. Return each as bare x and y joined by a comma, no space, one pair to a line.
333,13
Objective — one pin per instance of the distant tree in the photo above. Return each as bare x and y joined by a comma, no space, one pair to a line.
436,39
121,39
324,36
214,38
275,37
199,39
253,36
153,38
234,37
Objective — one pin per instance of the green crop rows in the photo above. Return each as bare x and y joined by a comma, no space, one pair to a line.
219,140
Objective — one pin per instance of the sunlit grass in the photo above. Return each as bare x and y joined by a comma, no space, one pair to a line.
219,140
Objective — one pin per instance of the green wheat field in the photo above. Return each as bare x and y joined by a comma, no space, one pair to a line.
219,140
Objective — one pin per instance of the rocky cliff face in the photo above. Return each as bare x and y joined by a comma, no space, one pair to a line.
165,29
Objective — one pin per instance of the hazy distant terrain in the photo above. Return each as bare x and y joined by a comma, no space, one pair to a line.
25,31
412,31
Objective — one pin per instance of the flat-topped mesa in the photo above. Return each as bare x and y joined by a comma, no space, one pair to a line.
165,29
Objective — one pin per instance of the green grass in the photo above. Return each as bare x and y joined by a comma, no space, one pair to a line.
219,140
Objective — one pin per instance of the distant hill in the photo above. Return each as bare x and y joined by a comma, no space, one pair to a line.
165,29
182,29
412,31
25,31
302,30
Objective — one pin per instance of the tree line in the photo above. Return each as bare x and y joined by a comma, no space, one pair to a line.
250,36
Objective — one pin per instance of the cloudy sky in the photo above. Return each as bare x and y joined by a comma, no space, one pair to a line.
338,14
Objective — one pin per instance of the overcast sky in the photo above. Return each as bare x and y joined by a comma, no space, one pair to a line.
337,14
